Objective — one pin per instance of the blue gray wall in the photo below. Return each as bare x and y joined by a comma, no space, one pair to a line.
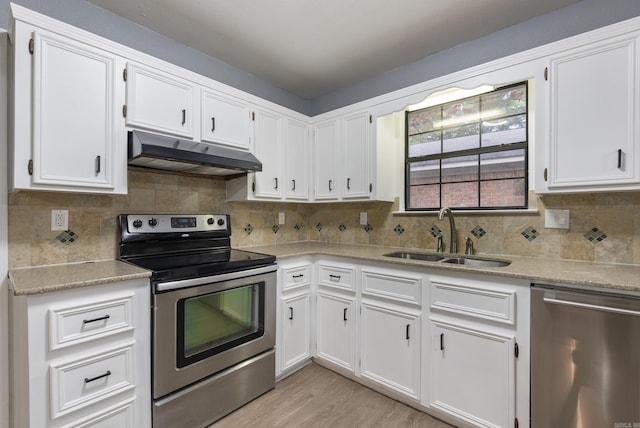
577,18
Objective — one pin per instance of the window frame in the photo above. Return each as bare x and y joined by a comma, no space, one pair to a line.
523,145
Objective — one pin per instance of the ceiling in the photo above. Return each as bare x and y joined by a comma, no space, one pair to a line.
313,47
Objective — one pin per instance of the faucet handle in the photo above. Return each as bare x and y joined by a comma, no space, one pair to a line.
440,246
468,249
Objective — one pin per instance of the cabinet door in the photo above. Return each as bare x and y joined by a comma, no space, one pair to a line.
295,325
390,352
355,144
297,160
594,109
73,113
335,333
268,150
159,101
472,375
326,158
225,120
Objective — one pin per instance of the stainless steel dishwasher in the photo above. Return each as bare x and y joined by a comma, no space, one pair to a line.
585,359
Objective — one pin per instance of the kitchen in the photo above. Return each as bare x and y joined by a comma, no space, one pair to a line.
92,217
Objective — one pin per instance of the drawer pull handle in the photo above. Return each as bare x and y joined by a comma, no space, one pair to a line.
298,278
290,313
104,318
344,314
93,379
335,278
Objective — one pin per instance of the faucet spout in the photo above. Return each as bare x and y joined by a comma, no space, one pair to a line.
453,247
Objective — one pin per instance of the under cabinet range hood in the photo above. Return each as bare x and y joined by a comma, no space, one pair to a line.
173,154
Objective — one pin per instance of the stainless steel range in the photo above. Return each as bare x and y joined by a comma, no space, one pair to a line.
213,315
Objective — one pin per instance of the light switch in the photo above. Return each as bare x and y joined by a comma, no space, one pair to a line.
363,218
556,219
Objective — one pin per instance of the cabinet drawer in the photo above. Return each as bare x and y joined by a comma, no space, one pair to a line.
77,324
82,382
479,302
296,276
336,277
120,415
392,285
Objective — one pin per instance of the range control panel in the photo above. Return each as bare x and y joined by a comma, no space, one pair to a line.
167,223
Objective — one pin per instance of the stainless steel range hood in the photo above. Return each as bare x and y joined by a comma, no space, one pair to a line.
173,154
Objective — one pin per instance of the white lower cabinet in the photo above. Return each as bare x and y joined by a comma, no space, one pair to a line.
390,347
476,350
335,329
295,329
80,357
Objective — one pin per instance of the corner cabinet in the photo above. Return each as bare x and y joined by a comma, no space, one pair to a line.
66,133
80,357
594,132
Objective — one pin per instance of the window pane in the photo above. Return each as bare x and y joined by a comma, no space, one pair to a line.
424,120
427,196
504,131
426,172
502,193
460,112
424,144
459,169
505,102
461,138
460,195
500,165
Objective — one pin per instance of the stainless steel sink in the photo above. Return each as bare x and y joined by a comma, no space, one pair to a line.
476,262
415,256
430,257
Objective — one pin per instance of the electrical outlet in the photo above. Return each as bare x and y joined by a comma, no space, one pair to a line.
59,220
363,218
280,218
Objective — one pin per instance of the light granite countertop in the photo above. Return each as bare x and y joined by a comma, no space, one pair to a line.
44,279
615,277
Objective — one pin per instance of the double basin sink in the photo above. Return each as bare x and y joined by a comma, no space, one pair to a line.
457,260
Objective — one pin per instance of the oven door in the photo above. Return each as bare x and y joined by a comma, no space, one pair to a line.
204,325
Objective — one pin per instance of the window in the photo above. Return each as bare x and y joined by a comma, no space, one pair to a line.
469,153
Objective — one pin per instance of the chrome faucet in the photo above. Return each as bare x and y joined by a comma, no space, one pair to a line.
453,247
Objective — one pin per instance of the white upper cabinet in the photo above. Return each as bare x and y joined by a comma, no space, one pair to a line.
296,151
225,120
159,101
268,149
65,134
355,152
326,160
594,139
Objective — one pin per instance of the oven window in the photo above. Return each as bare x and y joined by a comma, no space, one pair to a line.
212,323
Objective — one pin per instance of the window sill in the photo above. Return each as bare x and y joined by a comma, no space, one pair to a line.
529,211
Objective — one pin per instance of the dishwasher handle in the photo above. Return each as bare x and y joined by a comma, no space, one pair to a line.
620,311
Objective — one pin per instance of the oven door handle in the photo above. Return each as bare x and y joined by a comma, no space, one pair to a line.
174,285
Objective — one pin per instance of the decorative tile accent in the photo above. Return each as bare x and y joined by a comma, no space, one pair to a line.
368,228
275,228
478,232
67,237
595,235
318,227
248,229
435,231
530,233
297,227
342,227
398,229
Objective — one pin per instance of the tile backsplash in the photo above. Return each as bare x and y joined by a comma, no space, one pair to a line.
603,227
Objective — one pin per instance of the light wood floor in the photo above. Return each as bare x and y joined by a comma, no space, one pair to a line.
317,397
